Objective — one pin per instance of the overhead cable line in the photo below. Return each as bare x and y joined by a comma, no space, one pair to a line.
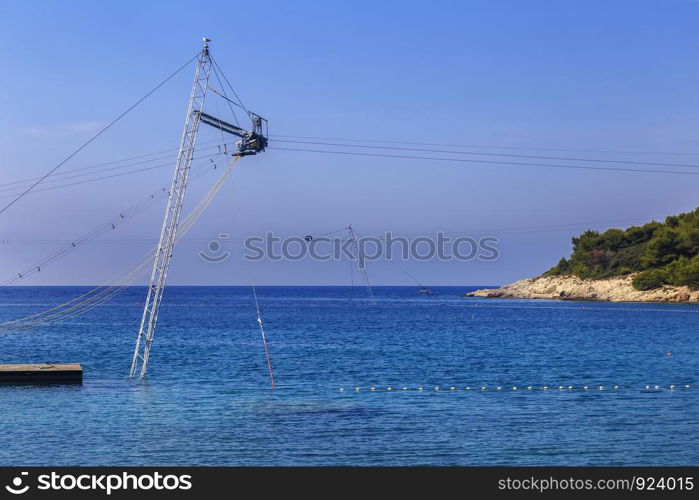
102,293
103,177
223,96
488,162
70,173
595,160
103,130
524,148
101,229
217,67
400,268
530,229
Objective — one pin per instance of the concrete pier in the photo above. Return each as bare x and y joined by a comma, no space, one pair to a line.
41,373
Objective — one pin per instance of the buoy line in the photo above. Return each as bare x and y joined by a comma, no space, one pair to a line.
397,305
524,388
514,306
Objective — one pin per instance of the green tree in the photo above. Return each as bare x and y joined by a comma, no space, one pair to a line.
647,280
663,248
663,253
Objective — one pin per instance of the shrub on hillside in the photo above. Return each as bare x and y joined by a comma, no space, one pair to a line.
648,280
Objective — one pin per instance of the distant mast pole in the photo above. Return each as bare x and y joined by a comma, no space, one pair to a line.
166,244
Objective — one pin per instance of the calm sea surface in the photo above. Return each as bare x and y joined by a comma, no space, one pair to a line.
207,399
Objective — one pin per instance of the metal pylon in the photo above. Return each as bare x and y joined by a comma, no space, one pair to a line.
163,254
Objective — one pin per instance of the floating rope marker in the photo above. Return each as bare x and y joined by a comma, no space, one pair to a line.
484,388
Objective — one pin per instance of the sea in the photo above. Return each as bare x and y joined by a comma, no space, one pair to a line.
411,379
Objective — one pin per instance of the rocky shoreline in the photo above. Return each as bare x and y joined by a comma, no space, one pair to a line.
617,289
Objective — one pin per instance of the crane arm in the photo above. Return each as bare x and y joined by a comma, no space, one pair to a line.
252,141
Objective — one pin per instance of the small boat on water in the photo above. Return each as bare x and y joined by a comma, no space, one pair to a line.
424,290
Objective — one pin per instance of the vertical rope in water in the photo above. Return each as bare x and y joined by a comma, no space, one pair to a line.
362,270
264,339
254,295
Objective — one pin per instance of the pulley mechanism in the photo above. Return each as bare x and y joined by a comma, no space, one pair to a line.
251,141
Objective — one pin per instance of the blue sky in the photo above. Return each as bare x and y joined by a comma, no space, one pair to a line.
574,75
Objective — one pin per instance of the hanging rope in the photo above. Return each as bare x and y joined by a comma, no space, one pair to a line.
104,228
264,338
362,270
251,278
101,294
400,268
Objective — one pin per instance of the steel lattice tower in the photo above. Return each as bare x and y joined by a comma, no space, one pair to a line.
163,253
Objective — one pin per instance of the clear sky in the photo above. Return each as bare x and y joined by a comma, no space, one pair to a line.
579,76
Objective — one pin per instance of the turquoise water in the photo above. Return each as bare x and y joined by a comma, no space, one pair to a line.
207,400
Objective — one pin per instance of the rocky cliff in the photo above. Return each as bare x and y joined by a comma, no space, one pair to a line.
618,289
